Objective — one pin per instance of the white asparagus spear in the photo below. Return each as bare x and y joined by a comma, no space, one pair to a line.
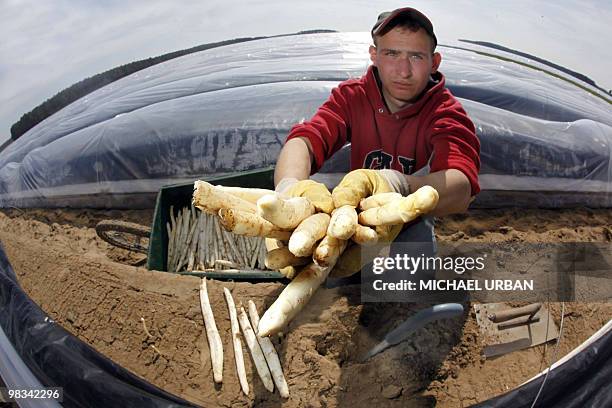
293,298
256,353
365,236
211,199
218,242
328,251
210,233
270,354
172,218
247,249
285,213
223,251
175,240
170,246
226,264
248,194
212,334
261,256
234,255
237,342
281,257
243,249
187,245
182,241
254,316
251,225
194,240
176,235
343,222
190,261
306,235
202,242
171,240
255,254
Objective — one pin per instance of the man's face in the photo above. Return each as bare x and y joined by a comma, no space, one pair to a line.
404,63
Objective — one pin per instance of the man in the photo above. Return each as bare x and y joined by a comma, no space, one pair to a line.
400,120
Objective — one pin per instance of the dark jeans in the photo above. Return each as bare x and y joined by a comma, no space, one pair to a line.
415,241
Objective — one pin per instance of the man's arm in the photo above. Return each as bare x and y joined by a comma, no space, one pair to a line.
292,171
294,160
453,187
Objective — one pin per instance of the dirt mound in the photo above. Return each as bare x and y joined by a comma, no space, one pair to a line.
150,322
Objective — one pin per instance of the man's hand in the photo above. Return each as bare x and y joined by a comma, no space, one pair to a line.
453,187
362,183
352,260
317,193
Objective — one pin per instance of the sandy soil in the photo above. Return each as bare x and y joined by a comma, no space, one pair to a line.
90,288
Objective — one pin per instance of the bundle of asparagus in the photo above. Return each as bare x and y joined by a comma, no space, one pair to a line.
262,351
314,239
196,242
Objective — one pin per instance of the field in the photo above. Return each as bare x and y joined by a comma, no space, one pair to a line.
91,289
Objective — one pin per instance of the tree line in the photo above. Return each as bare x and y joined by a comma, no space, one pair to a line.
88,85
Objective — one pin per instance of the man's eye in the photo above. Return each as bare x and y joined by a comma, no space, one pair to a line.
391,53
416,57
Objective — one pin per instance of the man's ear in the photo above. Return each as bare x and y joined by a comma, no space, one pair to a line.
372,51
436,60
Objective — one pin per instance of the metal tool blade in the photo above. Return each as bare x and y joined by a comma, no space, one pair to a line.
413,323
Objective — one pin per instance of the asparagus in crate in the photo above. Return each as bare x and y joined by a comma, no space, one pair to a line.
199,243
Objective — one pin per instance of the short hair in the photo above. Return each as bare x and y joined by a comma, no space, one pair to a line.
406,22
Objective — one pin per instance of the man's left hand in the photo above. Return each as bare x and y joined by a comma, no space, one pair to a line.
362,183
317,193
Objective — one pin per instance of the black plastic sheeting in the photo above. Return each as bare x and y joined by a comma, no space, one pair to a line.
59,359
583,381
545,141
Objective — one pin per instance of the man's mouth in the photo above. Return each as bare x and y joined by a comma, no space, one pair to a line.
402,85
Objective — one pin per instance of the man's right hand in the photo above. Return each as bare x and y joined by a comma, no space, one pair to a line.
316,193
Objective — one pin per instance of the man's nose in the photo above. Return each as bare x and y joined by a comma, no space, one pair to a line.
405,67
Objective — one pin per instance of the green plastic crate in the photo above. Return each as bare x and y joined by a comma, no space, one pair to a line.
179,196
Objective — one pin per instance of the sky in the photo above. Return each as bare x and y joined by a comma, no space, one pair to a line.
47,45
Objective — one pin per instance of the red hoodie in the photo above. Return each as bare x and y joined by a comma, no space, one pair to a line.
405,140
